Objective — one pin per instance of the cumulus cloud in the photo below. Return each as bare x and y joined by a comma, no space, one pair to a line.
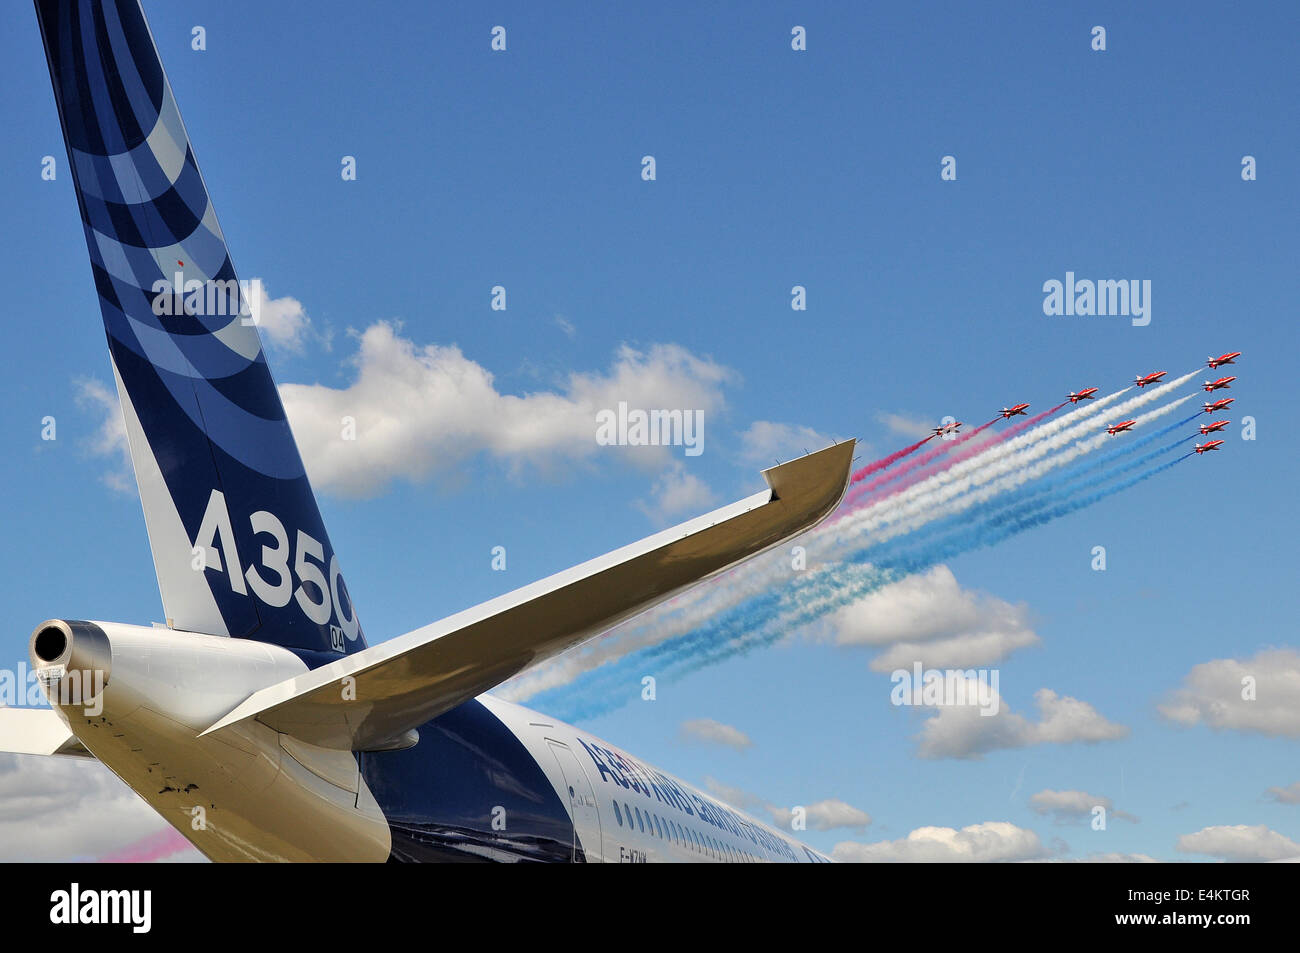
422,411
1240,843
765,442
281,322
979,843
715,732
1259,694
675,492
1110,857
1074,806
905,424
1287,795
961,731
109,439
63,809
829,815
929,618
736,797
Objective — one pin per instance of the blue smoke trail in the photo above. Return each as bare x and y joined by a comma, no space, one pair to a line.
770,616
1036,495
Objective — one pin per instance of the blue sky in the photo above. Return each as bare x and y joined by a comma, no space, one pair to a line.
774,168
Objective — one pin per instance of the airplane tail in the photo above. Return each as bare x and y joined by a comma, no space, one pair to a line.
238,543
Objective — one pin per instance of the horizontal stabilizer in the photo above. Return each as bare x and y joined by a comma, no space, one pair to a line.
37,731
371,699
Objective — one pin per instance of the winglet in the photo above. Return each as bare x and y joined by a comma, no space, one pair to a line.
402,683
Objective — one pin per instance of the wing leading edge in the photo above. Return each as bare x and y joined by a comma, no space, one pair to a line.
370,699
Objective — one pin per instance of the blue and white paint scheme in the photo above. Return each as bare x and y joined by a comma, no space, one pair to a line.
256,720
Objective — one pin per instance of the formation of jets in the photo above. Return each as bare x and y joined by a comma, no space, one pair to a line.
1208,407
1229,358
1142,380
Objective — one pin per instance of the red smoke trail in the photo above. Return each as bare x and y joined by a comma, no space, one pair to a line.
854,497
880,464
945,446
154,847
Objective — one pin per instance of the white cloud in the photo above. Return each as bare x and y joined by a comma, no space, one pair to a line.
281,321
676,492
736,797
1287,795
565,325
829,815
421,412
929,618
110,437
980,843
905,424
1239,842
1212,693
1074,806
766,442
961,731
715,732
63,809
1106,857
1113,857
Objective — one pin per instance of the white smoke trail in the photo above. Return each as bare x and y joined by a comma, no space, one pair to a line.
1016,475
686,612
977,471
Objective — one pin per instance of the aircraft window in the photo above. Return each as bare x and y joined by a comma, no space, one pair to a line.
618,814
659,828
640,820
628,811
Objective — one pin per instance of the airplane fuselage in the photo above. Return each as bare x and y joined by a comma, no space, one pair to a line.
491,780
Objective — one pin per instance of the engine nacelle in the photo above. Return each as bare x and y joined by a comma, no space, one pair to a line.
139,700
111,668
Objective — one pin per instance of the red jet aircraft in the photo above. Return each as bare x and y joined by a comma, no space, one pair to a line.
1211,445
1221,384
1220,404
1211,428
1120,427
944,429
1009,412
1152,378
1229,358
1085,394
